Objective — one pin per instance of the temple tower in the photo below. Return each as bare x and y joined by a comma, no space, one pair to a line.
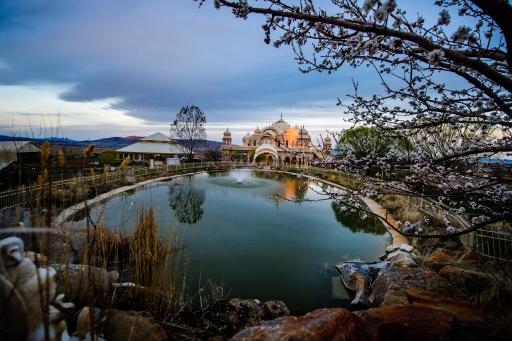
327,145
226,137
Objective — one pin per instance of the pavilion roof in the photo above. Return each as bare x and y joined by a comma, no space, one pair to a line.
154,148
157,137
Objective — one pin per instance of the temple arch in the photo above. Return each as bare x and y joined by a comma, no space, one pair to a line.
266,149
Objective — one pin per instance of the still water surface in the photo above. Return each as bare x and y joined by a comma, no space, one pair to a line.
255,233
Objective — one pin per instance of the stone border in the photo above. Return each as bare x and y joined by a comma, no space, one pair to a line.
65,214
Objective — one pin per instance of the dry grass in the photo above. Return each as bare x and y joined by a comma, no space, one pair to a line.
148,262
409,214
146,268
393,202
85,260
350,181
401,208
154,265
146,249
107,248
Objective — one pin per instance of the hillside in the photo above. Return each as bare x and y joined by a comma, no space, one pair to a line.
106,143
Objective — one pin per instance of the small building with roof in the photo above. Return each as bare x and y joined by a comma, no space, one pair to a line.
158,147
19,160
18,151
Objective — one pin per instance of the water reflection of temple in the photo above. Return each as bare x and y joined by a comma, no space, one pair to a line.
294,189
289,189
278,143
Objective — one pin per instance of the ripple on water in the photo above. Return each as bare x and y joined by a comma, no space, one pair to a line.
230,181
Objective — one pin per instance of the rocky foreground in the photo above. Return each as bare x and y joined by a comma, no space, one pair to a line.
438,297
404,297
446,295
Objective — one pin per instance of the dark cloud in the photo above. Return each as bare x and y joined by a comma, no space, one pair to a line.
154,56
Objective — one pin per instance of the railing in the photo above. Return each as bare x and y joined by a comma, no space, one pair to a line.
492,244
25,196
495,245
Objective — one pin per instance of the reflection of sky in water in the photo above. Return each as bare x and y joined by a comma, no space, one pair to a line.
237,231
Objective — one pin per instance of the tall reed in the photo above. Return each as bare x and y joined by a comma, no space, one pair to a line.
154,265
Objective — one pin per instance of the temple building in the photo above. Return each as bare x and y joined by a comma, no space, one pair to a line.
278,143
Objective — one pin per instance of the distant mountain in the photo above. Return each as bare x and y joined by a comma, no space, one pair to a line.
109,142
211,145
112,142
207,145
51,139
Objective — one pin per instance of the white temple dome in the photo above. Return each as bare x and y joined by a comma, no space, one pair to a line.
281,125
303,132
227,133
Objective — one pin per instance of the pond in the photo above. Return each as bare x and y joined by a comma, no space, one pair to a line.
259,234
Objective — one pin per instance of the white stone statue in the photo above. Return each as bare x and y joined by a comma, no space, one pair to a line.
33,286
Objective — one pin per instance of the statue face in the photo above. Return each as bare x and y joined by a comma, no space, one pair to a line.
11,251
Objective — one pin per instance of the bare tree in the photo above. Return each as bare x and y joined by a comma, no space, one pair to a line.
416,61
188,129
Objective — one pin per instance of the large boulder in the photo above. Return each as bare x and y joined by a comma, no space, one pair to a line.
407,323
362,292
131,325
441,257
390,286
469,280
392,248
84,284
490,289
274,309
406,248
229,316
130,296
321,324
459,309
358,277
398,255
351,274
84,324
471,323
236,313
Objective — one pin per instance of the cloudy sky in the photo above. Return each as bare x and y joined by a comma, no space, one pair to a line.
101,68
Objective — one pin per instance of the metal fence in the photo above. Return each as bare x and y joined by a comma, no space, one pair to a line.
496,245
25,196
